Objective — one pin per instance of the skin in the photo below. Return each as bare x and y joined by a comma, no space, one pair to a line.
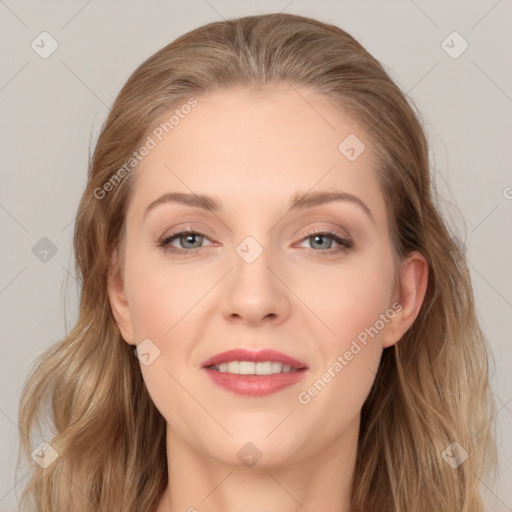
253,150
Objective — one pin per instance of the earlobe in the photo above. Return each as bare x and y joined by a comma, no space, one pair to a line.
413,286
118,301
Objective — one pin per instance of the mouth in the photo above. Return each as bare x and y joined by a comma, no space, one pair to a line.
252,368
252,373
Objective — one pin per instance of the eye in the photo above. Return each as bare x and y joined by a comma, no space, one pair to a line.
190,241
322,248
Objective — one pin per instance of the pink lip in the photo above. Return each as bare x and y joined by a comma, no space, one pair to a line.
254,385
240,354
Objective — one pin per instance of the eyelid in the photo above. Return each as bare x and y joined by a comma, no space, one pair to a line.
176,234
326,230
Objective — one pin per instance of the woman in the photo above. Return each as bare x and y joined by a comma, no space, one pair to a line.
257,369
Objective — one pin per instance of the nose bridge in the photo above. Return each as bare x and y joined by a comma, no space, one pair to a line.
252,262
254,291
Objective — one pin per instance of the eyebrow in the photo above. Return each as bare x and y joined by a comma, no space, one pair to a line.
299,201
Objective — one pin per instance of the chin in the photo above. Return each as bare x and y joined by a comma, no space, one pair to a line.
256,445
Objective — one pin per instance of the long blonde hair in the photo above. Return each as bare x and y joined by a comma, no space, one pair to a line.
432,387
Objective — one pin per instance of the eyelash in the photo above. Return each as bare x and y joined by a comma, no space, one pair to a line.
344,243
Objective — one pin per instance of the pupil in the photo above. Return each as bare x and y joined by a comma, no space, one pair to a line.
190,237
317,237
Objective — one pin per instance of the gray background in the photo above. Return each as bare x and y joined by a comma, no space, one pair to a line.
52,109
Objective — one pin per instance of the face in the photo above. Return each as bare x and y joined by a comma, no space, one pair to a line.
266,269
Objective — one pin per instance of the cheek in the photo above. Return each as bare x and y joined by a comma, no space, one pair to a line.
350,297
349,356
162,298
354,303
359,301
160,295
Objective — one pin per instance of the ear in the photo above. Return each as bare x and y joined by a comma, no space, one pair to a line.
411,292
118,302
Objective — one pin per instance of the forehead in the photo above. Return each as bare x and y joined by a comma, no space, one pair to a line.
257,147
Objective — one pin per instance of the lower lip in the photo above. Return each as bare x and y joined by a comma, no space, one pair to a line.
255,385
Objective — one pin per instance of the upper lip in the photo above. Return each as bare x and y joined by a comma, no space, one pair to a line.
240,354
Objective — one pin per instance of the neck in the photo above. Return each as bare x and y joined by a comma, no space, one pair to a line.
199,483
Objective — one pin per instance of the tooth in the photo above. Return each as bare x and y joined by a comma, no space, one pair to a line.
276,367
264,368
246,367
232,367
252,368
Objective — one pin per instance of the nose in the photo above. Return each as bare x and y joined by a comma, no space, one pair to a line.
256,292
